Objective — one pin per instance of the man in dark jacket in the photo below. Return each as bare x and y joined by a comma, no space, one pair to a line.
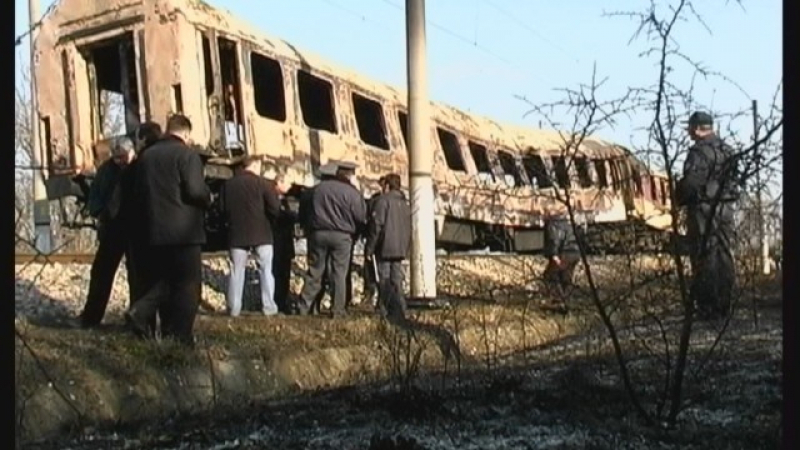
370,283
284,245
563,254
337,211
105,201
709,188
325,172
389,241
251,205
131,210
170,184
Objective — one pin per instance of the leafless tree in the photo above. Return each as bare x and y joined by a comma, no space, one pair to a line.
667,103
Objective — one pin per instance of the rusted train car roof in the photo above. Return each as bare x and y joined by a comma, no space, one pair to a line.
73,14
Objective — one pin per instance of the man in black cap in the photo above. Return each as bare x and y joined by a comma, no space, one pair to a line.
337,212
709,188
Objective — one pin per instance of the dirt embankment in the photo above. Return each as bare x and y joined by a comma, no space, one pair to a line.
73,379
68,378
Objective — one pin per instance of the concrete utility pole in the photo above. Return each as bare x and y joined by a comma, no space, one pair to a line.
420,166
762,222
41,206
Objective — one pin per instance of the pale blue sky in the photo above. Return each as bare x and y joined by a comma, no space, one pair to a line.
505,48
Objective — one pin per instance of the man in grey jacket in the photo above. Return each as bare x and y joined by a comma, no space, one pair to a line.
563,254
336,211
389,241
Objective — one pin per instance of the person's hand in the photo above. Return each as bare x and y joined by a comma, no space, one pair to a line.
556,260
355,183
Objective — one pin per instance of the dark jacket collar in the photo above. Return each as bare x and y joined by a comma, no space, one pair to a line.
396,193
173,138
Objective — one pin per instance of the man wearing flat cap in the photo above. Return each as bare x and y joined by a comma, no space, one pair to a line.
335,213
324,172
348,170
709,188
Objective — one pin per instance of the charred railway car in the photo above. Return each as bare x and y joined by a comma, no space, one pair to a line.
247,93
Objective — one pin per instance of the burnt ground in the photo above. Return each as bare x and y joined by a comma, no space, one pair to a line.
563,396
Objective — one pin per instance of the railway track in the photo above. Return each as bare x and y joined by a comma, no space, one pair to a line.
87,258
78,258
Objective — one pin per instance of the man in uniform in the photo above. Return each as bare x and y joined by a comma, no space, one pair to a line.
348,169
709,188
563,254
337,212
325,172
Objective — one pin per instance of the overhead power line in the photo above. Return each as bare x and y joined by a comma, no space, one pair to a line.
18,40
473,43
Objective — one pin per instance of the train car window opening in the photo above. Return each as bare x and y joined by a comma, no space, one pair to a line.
316,102
47,139
116,102
537,171
561,172
452,150
584,175
637,180
510,169
208,66
177,98
602,174
616,176
654,191
232,93
269,92
480,155
402,118
370,121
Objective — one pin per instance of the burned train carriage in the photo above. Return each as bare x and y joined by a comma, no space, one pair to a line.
250,94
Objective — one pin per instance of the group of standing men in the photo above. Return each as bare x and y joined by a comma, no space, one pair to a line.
334,216
150,200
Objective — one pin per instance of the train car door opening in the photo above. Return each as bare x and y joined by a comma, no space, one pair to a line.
114,85
224,90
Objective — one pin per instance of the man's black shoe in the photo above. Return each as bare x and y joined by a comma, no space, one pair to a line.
136,327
